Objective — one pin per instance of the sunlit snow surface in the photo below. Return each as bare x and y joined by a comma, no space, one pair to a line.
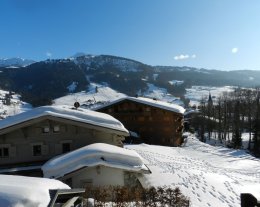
160,94
16,105
96,93
94,155
210,176
20,191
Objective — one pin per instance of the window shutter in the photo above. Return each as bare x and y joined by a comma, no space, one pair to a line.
58,149
12,151
45,149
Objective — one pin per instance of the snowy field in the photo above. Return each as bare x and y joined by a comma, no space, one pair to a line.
103,94
196,93
16,106
160,94
210,176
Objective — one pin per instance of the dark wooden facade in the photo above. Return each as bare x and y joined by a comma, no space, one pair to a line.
155,125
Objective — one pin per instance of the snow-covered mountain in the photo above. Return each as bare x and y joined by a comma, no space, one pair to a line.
11,104
43,81
15,62
99,61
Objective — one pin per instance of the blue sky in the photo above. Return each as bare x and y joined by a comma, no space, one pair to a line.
213,34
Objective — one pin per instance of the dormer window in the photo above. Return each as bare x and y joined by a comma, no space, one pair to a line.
46,129
56,129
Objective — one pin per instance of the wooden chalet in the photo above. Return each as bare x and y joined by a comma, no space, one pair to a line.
156,122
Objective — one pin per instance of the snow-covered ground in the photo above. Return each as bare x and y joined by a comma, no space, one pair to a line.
196,93
71,88
160,94
20,191
210,176
176,82
97,93
15,106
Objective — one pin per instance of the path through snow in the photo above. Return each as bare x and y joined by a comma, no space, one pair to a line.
210,176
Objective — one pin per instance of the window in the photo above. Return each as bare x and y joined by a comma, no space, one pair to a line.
56,129
37,150
4,151
65,147
46,129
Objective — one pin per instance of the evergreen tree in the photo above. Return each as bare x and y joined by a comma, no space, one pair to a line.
257,126
236,137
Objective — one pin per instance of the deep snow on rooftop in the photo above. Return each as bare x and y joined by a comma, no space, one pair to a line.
210,176
151,102
20,191
94,155
80,115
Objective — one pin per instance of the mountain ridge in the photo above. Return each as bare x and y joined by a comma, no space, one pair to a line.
41,82
15,62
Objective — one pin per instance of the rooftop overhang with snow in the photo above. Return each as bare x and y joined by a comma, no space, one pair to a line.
79,117
98,154
150,102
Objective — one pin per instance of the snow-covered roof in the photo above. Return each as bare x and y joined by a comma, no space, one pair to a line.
27,191
151,102
94,155
79,115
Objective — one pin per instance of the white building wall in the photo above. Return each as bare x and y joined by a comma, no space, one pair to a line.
97,176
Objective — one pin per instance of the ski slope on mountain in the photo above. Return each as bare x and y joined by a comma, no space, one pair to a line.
160,94
97,93
210,176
